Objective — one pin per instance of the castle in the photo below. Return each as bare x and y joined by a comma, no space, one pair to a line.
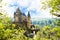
21,19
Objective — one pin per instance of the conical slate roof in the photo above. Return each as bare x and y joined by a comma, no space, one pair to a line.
28,14
18,11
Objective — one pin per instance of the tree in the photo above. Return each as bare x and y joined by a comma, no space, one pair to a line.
54,6
0,3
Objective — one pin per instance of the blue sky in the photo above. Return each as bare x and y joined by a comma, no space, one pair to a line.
33,6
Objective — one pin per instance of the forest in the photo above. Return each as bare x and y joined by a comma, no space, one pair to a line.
9,31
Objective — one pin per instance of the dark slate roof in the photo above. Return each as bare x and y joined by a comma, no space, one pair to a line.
18,11
23,14
28,14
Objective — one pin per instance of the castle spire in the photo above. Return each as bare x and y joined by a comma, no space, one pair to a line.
18,11
28,22
28,14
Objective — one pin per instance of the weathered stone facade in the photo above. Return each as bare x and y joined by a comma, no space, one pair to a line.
21,19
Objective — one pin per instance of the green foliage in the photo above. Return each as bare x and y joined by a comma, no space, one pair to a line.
37,36
0,0
54,6
9,31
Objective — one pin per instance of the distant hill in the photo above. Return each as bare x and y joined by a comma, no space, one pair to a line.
44,22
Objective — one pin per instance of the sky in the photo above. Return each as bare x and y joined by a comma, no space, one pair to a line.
33,6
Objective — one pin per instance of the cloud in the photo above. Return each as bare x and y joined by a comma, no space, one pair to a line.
23,3
26,5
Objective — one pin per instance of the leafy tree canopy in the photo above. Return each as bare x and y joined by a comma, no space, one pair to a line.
54,6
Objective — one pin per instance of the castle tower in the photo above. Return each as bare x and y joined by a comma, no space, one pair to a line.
17,16
29,21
